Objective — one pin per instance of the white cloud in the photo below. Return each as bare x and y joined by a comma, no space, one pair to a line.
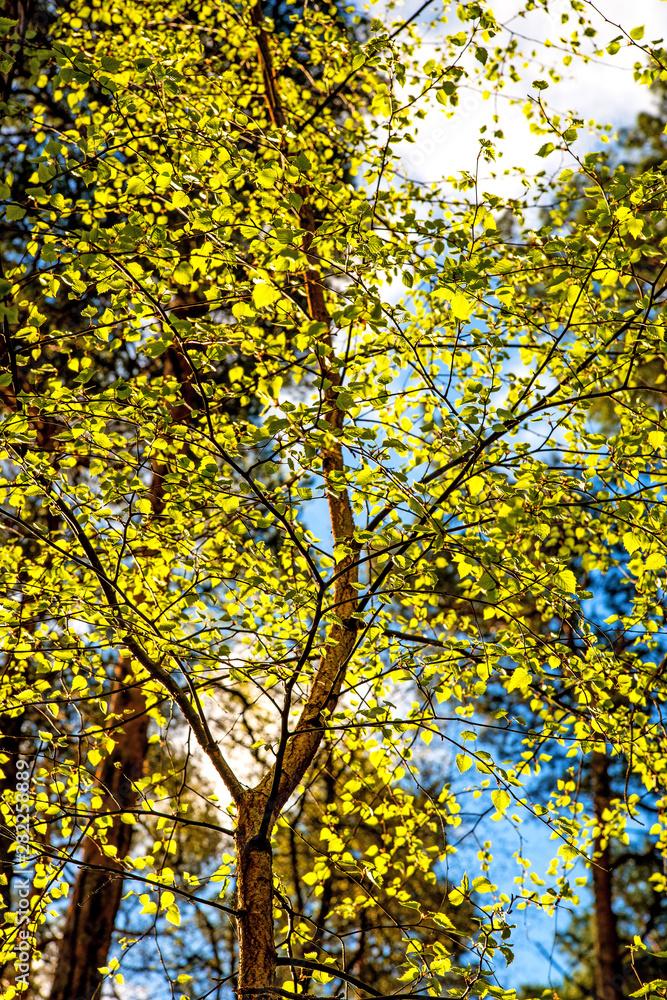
602,90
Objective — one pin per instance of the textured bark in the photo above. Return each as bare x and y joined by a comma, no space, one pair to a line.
268,73
608,966
257,952
96,895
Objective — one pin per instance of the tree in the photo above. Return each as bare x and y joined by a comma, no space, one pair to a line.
625,925
220,169
87,931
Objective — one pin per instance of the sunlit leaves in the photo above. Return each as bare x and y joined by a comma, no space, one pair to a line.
168,471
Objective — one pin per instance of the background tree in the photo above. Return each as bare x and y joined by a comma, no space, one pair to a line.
612,943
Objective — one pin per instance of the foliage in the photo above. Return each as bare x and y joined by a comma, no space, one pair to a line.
208,199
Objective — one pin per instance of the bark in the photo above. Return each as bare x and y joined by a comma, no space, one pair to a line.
257,952
96,895
257,957
608,966
266,63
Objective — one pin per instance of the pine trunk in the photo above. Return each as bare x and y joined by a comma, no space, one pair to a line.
97,892
608,966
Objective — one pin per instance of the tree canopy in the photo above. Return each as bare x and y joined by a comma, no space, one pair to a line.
333,505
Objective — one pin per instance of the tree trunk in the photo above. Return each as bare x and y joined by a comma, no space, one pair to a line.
96,896
608,967
257,951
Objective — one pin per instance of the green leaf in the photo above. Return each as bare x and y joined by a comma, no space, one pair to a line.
136,185
264,295
482,884
302,162
461,306
566,580
547,148
267,178
344,401
657,986
109,64
456,897
183,273
520,679
475,485
501,799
